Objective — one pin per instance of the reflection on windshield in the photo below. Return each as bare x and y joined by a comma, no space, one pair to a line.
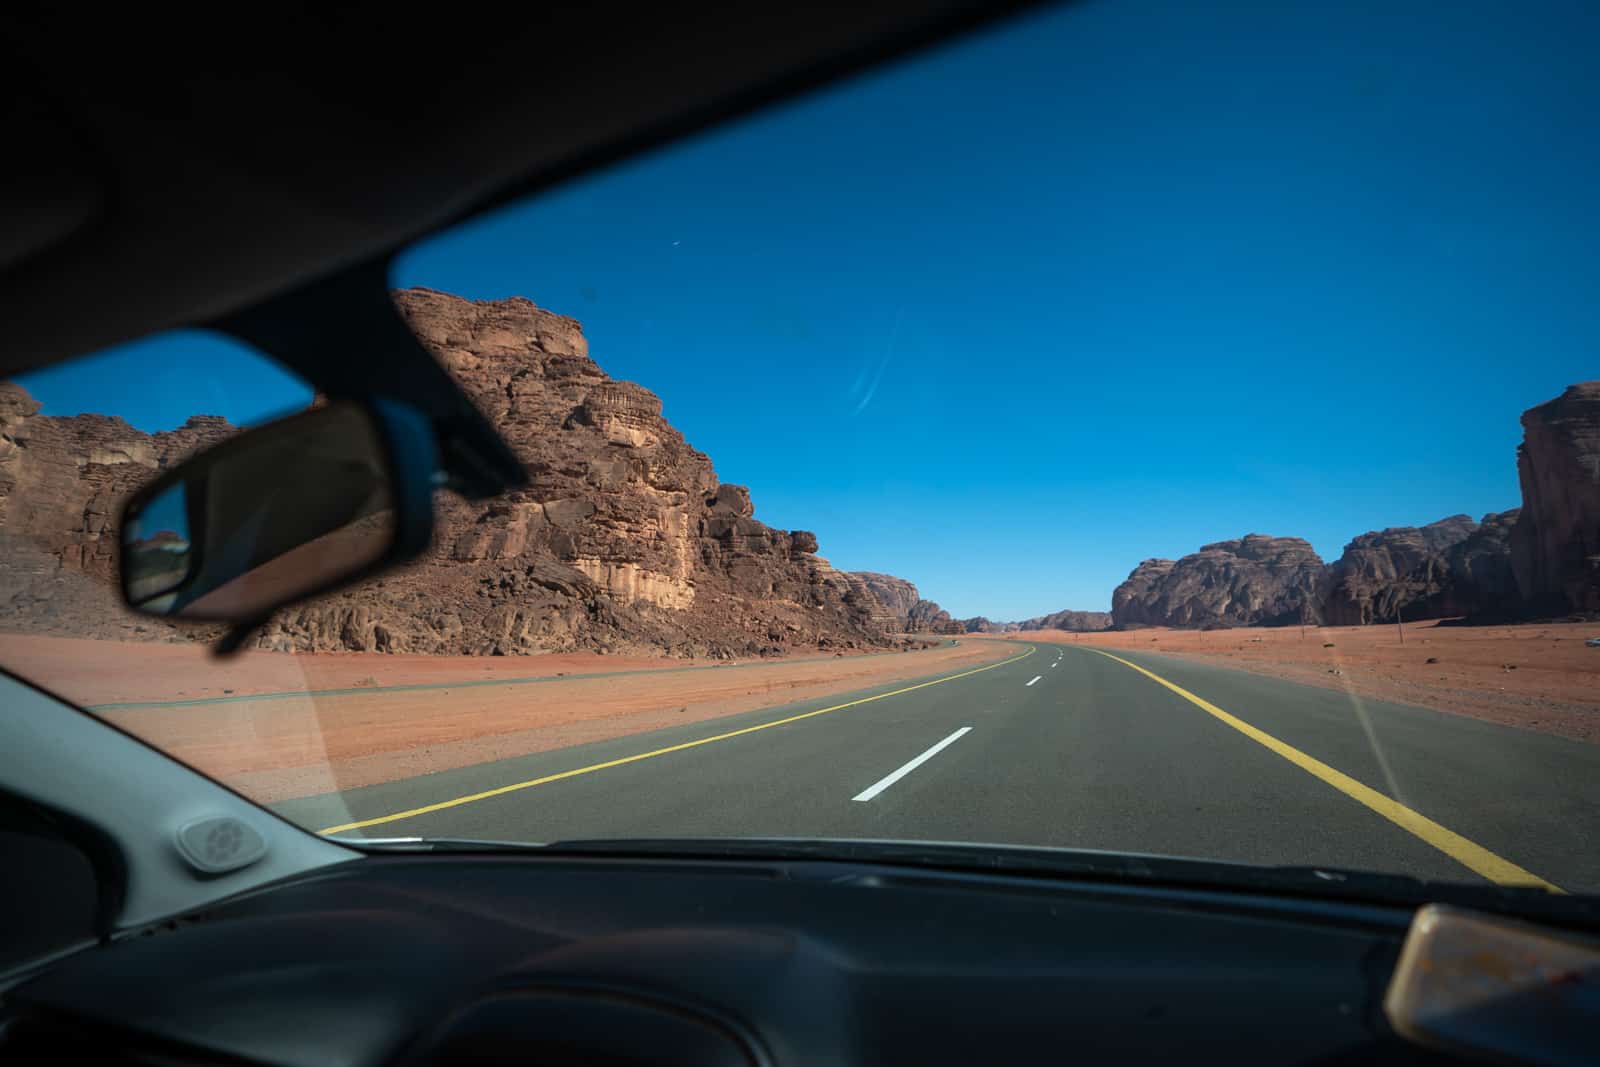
1143,428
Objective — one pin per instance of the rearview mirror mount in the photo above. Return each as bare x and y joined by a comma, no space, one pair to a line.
281,513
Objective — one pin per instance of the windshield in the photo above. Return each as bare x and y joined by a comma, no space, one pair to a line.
1155,428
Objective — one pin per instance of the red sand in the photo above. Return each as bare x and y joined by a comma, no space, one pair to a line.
297,745
1535,676
108,672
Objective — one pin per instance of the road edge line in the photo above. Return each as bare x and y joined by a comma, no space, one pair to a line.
1464,851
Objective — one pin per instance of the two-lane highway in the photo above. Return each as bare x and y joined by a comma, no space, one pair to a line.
1056,745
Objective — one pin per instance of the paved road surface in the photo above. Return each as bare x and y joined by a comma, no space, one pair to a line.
1058,745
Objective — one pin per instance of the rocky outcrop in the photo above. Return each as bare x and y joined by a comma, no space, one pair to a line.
895,606
928,617
1555,544
1255,580
1480,567
981,625
62,482
1138,590
62,479
887,600
1075,621
1453,567
1402,570
624,540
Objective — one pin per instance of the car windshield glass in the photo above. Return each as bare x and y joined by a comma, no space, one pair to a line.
1156,428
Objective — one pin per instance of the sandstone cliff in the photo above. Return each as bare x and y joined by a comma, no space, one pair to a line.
981,625
1480,567
624,540
1403,569
62,480
1555,545
895,606
1540,559
1453,567
1255,580
1076,621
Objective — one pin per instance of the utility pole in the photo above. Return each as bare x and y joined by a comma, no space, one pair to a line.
1399,623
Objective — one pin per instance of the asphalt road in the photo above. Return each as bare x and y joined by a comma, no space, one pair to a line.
1059,745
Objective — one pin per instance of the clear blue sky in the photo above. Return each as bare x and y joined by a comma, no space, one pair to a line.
1102,285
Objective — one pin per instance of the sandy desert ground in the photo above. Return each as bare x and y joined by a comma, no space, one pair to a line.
1537,676
274,725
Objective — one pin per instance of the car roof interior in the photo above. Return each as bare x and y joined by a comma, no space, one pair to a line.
164,171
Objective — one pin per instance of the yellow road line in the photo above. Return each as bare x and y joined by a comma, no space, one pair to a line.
1467,853
515,786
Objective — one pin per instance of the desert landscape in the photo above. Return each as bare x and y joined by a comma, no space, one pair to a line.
275,725
628,588
624,542
1534,676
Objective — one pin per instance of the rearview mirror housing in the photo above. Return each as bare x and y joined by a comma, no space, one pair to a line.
280,513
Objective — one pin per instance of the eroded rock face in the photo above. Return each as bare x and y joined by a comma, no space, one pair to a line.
927,617
1075,621
1130,601
1555,544
1481,568
1404,570
1253,580
1453,567
62,483
624,540
888,600
894,605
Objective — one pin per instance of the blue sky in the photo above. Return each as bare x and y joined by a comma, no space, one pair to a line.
1107,283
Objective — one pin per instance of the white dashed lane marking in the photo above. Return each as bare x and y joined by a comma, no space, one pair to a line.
890,779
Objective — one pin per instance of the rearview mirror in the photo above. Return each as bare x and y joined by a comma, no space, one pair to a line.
281,512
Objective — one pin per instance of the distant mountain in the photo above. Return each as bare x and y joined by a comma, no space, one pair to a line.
895,606
1079,621
1540,559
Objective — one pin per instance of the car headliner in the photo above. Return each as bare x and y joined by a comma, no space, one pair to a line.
164,173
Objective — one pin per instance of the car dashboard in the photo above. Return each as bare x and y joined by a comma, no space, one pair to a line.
487,959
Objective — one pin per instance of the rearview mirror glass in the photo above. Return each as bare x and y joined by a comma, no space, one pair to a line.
274,515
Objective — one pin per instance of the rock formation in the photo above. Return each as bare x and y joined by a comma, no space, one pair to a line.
981,625
62,481
886,599
1453,567
1540,559
1255,580
624,540
927,617
1076,621
1555,545
1403,569
1480,567
895,606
